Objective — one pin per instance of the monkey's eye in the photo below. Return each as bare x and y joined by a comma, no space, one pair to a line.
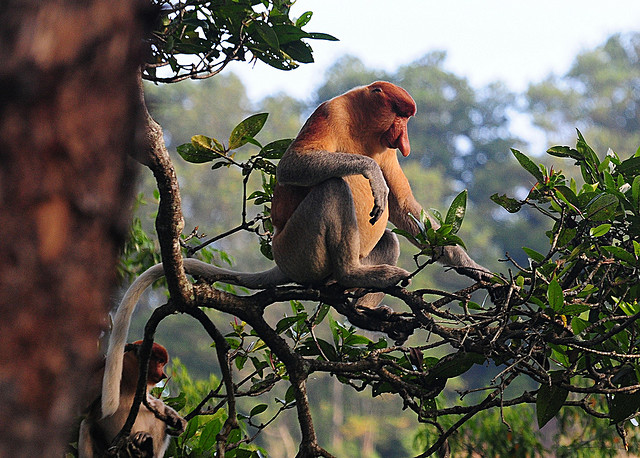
376,89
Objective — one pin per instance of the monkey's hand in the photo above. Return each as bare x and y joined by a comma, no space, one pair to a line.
379,189
176,422
166,414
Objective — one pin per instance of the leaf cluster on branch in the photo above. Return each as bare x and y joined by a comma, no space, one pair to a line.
197,39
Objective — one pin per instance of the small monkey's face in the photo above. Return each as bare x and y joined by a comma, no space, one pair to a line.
157,360
393,106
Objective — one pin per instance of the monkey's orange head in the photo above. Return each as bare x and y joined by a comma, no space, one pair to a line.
158,359
400,107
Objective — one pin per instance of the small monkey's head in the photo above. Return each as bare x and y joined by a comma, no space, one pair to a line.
158,359
390,107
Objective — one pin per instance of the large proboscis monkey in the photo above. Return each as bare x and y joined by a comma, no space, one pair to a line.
338,184
149,436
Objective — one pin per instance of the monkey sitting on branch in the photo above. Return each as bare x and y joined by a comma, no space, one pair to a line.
149,436
339,182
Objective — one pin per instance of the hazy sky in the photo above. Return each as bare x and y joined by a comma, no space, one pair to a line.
515,41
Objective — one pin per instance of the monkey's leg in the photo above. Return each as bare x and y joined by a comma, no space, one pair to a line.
321,239
386,251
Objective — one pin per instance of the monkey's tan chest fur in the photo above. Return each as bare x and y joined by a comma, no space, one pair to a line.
363,201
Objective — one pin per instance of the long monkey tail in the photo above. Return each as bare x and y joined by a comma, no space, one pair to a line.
117,340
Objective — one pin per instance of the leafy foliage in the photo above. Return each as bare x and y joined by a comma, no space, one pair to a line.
199,39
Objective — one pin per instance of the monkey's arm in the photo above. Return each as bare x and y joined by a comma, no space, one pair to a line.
309,168
402,202
168,415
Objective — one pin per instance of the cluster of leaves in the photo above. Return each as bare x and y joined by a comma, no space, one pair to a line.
582,295
203,149
197,39
140,251
431,237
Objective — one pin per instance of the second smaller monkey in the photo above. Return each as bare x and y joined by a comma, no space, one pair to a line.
149,433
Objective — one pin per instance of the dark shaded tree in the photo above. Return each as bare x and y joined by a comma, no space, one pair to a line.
68,119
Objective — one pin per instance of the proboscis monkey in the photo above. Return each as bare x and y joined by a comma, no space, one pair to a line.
339,182
149,433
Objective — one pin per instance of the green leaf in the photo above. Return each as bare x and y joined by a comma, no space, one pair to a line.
456,212
600,230
258,409
454,365
288,34
635,193
328,350
555,295
630,167
322,36
573,309
208,434
267,34
590,156
207,143
578,325
287,322
602,207
192,428
177,402
324,309
275,149
247,129
290,395
537,257
549,401
190,153
304,19
509,204
299,51
564,151
620,253
566,194
528,165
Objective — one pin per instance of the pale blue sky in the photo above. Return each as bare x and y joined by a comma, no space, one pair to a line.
510,40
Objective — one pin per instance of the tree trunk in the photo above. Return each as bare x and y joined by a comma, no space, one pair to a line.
68,119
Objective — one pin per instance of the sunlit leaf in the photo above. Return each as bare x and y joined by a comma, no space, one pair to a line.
600,230
620,253
528,165
190,153
456,212
248,128
304,19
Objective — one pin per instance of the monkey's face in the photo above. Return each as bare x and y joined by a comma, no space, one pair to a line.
157,361
393,106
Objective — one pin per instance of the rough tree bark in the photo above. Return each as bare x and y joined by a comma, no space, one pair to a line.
68,119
